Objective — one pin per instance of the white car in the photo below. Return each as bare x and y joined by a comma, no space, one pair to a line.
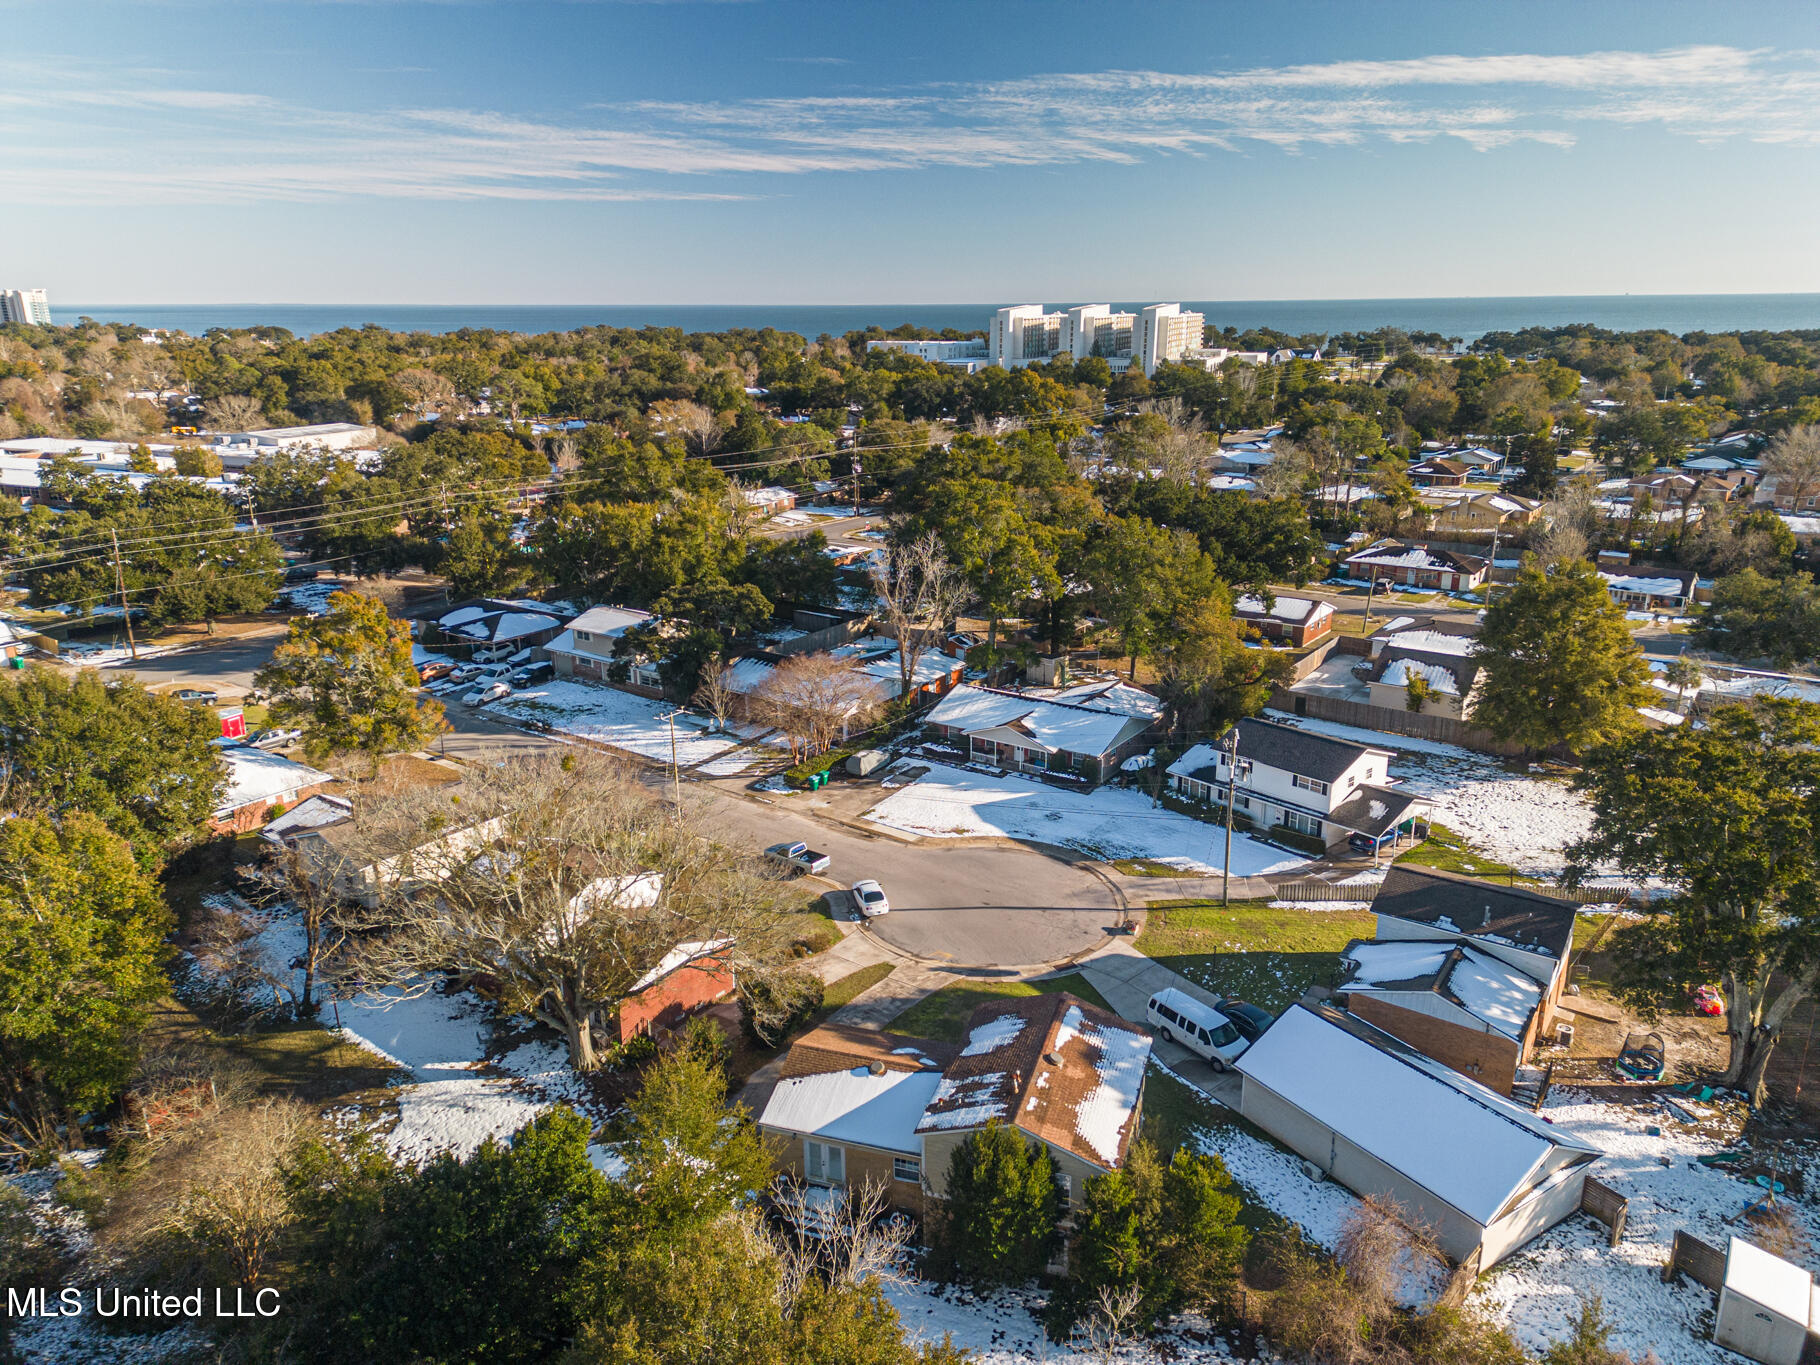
480,696
869,899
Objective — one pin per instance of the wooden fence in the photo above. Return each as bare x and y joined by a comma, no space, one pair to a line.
1584,895
1323,891
1601,1201
1441,729
1699,1261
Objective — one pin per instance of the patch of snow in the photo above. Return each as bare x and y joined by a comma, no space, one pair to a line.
1106,823
994,1034
1104,1113
1006,1329
617,719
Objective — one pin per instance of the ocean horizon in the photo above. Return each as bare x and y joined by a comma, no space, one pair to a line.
1466,318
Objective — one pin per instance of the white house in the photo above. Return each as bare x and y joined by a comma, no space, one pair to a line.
1038,734
1447,663
1658,590
1380,1118
1312,785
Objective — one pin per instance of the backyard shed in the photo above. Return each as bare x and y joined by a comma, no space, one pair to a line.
1382,1119
1767,1308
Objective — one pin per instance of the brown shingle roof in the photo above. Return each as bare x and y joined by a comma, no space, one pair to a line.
838,1047
1060,1069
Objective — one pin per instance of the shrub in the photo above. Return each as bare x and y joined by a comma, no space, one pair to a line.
773,1003
1294,838
799,775
999,1227
1590,1343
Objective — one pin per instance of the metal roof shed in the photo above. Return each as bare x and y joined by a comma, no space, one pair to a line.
1767,1310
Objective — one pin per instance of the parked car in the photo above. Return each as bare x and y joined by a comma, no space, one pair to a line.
275,739
488,691
798,856
869,899
201,694
1179,1018
462,672
433,669
301,573
1249,1020
532,674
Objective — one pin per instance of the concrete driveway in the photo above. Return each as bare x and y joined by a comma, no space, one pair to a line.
1127,979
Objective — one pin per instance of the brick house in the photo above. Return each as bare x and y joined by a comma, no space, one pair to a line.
1469,972
691,977
258,781
1439,472
1296,620
1417,566
1084,740
857,1105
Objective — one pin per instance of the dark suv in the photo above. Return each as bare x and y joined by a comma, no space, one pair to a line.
1249,1020
532,674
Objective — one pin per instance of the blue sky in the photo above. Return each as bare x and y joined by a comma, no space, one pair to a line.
392,151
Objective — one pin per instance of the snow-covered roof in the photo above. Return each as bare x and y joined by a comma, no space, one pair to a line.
1769,1281
1485,987
1284,608
1651,587
461,616
608,620
1428,642
1417,557
515,625
1442,1131
1115,698
856,1106
254,775
1048,724
1439,679
678,957
312,813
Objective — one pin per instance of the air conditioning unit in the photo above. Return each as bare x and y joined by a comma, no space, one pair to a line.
1564,1035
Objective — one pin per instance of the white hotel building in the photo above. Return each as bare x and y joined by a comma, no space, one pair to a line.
1027,335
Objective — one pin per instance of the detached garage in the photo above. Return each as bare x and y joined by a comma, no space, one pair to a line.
1381,1119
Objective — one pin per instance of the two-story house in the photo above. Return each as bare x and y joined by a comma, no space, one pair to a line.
1309,784
856,1105
1480,510
587,648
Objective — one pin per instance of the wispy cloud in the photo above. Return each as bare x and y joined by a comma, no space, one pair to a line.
155,137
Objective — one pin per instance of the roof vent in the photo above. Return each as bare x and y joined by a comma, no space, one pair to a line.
877,1068
1053,1058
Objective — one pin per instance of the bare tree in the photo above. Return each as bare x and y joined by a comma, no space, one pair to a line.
1380,1248
313,905
1793,461
1288,473
716,694
234,412
1110,1326
235,1206
817,700
919,594
699,428
1572,521
559,883
847,1236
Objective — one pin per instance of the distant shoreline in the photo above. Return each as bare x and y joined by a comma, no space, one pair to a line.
1467,318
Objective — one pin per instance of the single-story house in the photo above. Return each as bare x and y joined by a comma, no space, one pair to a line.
856,1105
1524,929
1652,589
1478,458
1310,784
1110,695
324,834
691,977
1382,1119
1038,734
585,648
1439,472
770,500
257,781
1417,566
1452,1001
494,628
1298,620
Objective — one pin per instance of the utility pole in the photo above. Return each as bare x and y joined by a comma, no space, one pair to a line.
126,612
1369,594
856,474
1491,566
675,772
1232,782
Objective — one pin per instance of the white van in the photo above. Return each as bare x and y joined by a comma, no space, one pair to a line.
1203,1030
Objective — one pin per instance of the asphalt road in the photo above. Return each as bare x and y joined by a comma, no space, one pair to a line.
971,906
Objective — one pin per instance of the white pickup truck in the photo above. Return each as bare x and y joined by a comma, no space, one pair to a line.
800,857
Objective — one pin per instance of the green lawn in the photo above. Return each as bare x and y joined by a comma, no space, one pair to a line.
943,1015
1248,949
1446,851
1144,867
814,930
844,990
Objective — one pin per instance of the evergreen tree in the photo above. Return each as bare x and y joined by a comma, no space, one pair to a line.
999,1227
347,677
1559,665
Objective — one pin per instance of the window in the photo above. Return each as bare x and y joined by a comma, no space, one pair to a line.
1223,1036
1302,824
1309,784
824,1163
583,635
1168,1014
1244,769
1066,1182
907,1168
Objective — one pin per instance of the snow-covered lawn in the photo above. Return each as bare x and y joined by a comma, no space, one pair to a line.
1107,823
1002,1329
1516,818
618,719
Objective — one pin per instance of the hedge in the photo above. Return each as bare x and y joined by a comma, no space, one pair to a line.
1308,843
799,775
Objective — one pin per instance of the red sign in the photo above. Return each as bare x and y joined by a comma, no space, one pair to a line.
233,723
